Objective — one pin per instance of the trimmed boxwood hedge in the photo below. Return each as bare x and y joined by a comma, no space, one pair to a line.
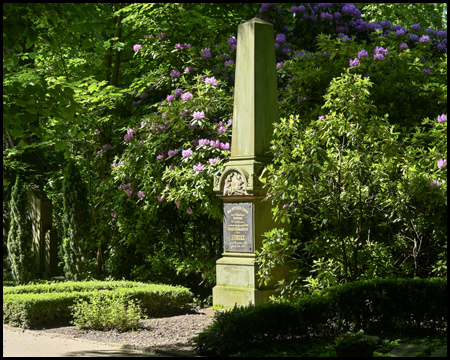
32,305
374,305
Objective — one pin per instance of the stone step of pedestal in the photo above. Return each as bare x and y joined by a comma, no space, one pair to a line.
408,350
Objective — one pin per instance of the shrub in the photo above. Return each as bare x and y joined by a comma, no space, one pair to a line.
31,305
107,312
20,236
376,305
76,223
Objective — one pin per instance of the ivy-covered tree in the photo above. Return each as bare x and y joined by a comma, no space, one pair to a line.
20,235
76,224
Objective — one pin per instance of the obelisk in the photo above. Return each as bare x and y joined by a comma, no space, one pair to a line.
246,216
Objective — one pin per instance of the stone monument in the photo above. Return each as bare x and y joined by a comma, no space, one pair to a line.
44,242
246,216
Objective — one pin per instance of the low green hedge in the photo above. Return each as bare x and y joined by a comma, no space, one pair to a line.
32,305
70,286
375,305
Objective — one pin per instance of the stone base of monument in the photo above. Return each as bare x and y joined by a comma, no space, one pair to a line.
237,281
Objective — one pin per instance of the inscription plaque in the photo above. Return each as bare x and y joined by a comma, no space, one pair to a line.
238,227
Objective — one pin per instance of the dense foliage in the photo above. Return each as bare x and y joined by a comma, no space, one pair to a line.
20,238
33,305
76,224
145,108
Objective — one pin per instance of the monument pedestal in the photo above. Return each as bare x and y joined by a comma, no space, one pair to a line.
237,280
246,216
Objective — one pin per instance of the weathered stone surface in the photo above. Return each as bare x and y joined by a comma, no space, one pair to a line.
40,212
408,350
246,216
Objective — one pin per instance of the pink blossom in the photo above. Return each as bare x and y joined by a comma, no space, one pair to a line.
435,183
137,47
177,203
189,211
114,213
203,142
214,144
129,192
186,153
199,167
172,152
140,194
213,161
160,198
442,118
186,96
187,70
441,163
211,80
175,74
225,146
170,98
199,115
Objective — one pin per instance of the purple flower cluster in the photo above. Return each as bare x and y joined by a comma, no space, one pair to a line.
104,148
265,7
326,16
441,163
199,115
442,118
175,73
211,81
206,53
354,62
127,187
213,161
199,167
129,135
380,52
186,96
137,47
182,46
363,54
186,153
280,38
221,127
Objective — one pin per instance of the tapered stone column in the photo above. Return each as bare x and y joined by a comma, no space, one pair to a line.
246,216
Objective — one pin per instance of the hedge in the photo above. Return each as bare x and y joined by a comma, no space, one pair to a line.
390,305
32,305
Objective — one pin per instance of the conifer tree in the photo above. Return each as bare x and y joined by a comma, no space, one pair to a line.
20,235
76,223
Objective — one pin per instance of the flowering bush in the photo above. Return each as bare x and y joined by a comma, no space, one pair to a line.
176,137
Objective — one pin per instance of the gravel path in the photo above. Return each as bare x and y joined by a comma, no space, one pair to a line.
160,335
